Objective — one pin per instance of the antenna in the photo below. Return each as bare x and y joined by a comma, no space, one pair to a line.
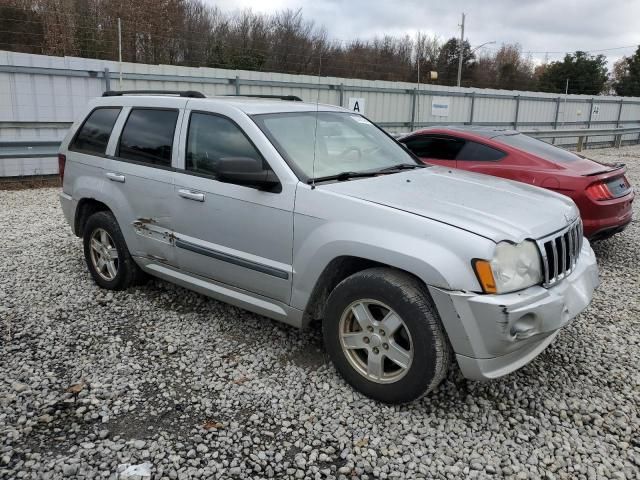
315,130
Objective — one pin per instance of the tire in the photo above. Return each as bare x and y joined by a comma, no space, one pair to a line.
126,272
420,343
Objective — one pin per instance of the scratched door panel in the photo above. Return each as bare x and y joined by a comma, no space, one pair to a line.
143,204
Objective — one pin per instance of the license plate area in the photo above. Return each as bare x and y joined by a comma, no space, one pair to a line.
618,186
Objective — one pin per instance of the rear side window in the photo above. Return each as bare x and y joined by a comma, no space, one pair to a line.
94,134
211,138
147,136
478,152
440,148
538,147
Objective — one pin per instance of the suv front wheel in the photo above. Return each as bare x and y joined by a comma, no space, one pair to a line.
385,336
107,255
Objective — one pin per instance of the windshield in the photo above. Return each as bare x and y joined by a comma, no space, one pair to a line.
538,147
344,142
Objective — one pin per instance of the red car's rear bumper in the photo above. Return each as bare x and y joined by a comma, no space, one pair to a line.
605,218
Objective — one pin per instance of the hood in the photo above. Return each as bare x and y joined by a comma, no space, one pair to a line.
492,207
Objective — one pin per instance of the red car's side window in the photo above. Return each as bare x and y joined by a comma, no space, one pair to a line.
477,152
440,148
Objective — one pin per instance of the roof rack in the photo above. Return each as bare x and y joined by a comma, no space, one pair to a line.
180,93
291,98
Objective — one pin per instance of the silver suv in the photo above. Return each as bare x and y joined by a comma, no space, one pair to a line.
304,212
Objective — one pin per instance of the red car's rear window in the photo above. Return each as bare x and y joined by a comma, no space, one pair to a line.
537,147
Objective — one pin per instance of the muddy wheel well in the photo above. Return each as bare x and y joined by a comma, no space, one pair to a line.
86,208
336,271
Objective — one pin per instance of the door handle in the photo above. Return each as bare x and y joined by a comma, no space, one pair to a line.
115,177
189,195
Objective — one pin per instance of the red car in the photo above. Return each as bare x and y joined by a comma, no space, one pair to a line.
601,191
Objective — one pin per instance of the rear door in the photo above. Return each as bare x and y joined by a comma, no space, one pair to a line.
238,235
435,149
140,179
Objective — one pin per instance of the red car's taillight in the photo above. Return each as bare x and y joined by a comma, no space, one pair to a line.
609,188
599,191
62,160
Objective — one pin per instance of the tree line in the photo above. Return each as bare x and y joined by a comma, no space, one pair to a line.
190,33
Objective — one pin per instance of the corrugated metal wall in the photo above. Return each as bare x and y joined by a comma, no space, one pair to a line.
41,95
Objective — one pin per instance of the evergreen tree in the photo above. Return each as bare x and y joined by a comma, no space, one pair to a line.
628,84
587,74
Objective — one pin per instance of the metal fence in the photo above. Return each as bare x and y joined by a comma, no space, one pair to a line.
40,96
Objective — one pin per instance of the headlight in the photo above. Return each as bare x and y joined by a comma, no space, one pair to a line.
513,267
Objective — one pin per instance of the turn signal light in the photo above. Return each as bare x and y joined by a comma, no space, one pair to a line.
485,275
62,161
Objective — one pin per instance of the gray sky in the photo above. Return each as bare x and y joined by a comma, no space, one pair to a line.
538,25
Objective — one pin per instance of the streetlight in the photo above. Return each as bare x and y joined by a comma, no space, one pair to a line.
480,46
471,52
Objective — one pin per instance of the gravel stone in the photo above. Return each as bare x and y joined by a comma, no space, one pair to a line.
241,396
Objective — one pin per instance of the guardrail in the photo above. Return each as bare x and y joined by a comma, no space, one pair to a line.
29,149
583,133
49,148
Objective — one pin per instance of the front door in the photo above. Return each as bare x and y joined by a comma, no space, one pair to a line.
238,235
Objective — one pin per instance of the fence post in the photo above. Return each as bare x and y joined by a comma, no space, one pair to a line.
237,84
586,138
413,108
619,113
515,120
107,80
555,120
341,89
473,101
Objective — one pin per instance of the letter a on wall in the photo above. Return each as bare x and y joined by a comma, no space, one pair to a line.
356,105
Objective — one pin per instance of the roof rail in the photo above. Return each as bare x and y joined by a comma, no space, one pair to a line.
291,98
180,93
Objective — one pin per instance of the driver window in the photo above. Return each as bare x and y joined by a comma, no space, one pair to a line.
437,148
211,138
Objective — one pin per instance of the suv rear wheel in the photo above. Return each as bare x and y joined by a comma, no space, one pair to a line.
107,255
385,336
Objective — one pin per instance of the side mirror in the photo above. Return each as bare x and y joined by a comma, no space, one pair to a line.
246,171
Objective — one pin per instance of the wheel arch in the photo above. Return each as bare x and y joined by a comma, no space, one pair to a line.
86,207
335,272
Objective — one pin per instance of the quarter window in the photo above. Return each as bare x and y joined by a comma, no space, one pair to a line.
478,152
211,138
94,134
147,136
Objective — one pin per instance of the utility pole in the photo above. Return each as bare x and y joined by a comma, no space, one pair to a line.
461,51
419,54
120,53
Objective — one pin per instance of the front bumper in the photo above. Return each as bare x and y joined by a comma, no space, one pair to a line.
493,335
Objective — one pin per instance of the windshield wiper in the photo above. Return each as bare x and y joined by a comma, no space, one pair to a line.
343,176
401,166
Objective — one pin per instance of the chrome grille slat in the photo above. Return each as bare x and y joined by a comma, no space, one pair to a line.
563,243
572,248
560,252
555,258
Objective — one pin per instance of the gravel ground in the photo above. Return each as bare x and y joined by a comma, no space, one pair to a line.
90,380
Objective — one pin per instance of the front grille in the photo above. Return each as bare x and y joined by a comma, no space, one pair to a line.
560,252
